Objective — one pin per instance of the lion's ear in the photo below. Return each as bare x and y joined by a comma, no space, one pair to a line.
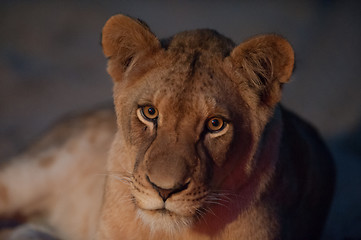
124,38
267,62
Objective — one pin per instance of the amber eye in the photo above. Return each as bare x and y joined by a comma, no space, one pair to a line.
149,113
215,124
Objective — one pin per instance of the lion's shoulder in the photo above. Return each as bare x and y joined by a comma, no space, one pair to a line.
96,122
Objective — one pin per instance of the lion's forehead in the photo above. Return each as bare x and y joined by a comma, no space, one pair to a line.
188,98
191,76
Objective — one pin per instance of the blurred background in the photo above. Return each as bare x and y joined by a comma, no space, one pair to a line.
51,64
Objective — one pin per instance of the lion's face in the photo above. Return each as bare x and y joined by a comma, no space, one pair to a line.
189,117
181,127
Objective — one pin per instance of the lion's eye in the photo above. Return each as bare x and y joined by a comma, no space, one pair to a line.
215,124
149,113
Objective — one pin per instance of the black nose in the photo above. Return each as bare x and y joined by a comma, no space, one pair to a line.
166,193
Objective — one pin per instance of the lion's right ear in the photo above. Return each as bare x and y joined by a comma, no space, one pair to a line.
125,38
267,62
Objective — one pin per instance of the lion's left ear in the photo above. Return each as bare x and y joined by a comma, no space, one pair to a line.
267,63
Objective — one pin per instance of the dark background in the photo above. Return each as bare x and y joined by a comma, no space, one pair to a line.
51,64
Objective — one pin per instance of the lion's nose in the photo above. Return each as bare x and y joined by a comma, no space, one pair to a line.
166,193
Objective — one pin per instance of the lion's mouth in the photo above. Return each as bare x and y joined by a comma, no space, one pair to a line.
162,211
178,210
164,220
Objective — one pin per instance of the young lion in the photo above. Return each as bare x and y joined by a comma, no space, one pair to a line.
200,148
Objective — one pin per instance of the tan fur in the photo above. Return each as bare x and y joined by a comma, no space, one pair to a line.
264,175
3,194
46,162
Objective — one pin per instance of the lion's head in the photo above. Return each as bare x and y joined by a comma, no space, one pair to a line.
191,112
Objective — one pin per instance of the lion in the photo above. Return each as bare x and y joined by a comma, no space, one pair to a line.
199,147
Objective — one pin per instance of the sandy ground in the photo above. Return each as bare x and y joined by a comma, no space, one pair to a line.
51,64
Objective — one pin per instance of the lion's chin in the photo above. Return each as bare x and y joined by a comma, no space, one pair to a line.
163,220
